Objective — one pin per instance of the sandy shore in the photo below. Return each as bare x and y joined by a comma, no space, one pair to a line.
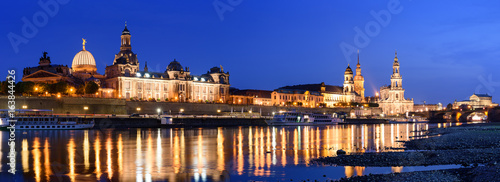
475,147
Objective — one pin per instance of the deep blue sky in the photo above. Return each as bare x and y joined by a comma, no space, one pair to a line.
445,48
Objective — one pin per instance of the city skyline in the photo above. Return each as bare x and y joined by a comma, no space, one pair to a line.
281,53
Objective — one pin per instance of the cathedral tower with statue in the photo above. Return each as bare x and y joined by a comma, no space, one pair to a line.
392,100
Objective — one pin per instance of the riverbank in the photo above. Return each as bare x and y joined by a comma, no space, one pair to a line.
476,147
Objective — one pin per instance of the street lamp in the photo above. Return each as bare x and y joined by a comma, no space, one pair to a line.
158,110
218,110
138,109
181,110
85,108
25,107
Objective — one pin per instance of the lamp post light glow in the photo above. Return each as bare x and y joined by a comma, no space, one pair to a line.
218,110
158,110
181,110
25,107
85,108
138,109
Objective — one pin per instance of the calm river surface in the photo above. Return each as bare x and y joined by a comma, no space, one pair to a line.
199,154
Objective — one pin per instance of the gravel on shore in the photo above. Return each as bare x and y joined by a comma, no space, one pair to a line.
476,147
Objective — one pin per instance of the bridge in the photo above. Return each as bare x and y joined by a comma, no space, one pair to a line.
461,115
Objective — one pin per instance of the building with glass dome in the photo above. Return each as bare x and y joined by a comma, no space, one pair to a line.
124,79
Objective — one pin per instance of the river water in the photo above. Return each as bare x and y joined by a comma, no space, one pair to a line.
200,154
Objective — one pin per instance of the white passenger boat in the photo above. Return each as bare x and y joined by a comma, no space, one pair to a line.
40,119
299,118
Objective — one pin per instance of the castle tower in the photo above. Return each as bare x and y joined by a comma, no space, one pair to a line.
359,81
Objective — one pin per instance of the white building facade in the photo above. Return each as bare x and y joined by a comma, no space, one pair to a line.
175,84
392,100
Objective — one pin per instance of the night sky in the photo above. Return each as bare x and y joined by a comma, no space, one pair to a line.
447,50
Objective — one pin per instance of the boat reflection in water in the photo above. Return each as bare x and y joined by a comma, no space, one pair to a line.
215,154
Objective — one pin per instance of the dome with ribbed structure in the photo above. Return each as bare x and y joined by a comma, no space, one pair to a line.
84,61
83,57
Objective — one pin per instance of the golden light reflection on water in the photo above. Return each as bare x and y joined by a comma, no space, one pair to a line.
86,150
46,161
71,158
198,154
25,155
36,158
397,169
97,149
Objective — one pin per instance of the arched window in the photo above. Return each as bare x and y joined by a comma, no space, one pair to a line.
397,96
127,72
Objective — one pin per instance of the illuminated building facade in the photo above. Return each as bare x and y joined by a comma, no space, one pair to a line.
476,101
254,97
174,84
427,107
83,69
293,97
392,100
46,72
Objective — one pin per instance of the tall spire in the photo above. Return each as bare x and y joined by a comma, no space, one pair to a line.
146,66
358,56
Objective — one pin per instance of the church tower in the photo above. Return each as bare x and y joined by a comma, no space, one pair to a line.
125,39
396,79
359,81
392,99
348,84
125,63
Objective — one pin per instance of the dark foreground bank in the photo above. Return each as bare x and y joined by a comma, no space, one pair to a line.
476,147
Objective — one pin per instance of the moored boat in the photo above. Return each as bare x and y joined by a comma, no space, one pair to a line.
299,118
39,119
